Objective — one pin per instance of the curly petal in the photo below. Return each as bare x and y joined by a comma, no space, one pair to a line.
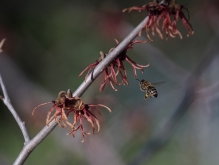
40,106
100,105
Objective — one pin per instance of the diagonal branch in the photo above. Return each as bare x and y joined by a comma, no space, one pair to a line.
79,91
108,59
7,102
31,145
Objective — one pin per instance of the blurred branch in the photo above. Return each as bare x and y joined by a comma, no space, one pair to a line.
1,44
81,89
7,102
210,91
160,138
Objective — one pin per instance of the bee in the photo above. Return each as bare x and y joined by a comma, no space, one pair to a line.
149,88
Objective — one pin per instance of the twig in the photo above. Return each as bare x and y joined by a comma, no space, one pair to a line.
81,89
7,102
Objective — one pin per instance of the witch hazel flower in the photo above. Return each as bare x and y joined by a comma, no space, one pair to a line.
82,111
59,106
116,68
64,105
166,12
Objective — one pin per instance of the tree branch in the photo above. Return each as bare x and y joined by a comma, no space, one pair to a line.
29,147
79,91
7,102
108,59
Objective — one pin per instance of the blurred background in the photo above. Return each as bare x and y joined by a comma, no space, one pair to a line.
48,43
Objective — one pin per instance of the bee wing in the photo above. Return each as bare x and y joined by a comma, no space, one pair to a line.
158,83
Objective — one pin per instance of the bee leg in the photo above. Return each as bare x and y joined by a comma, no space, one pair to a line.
146,96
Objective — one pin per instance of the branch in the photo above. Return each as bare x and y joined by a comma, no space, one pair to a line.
81,89
7,102
108,59
29,147
150,52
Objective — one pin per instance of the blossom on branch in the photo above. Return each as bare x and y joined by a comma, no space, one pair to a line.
116,67
166,12
58,106
64,105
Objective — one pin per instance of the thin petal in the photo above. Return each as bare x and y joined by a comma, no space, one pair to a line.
40,106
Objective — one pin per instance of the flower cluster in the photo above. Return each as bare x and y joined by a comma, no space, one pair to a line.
64,105
116,67
166,12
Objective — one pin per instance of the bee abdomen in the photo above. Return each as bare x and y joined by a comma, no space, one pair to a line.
152,91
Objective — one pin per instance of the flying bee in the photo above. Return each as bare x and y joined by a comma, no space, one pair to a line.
149,88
